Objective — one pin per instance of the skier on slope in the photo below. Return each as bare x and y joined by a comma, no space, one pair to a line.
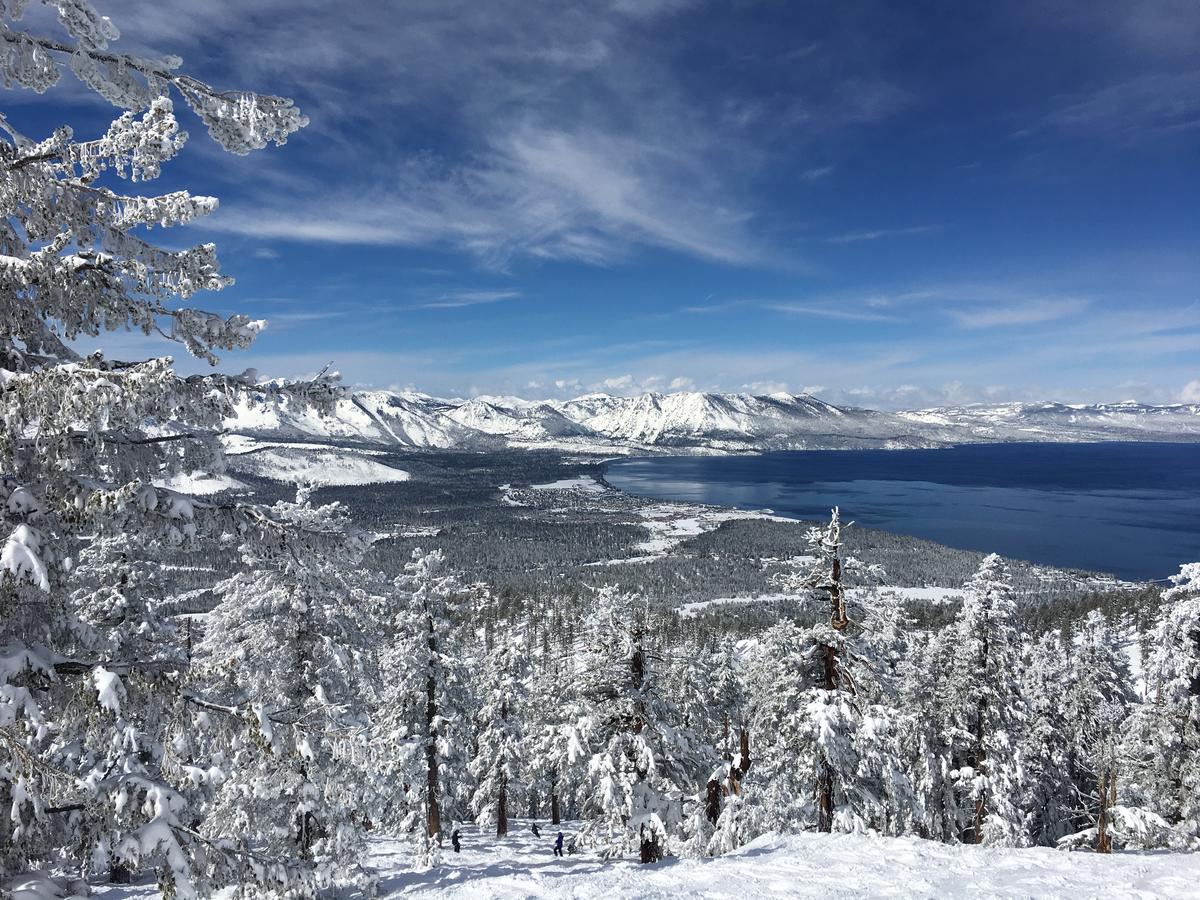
558,851
535,831
454,839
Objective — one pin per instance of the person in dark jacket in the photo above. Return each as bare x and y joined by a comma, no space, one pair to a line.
535,831
454,839
558,844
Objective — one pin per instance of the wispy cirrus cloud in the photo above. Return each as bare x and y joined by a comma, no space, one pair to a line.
1146,106
460,299
585,196
1030,312
841,313
817,173
856,237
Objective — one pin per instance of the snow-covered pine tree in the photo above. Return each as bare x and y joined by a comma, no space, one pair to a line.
705,709
922,733
1098,700
986,710
83,440
1160,790
284,662
822,709
424,711
826,759
1048,801
501,748
115,725
726,703
639,762
554,765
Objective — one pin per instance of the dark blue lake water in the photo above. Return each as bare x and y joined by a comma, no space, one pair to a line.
1132,509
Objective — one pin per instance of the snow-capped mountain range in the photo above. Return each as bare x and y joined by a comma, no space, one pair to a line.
702,422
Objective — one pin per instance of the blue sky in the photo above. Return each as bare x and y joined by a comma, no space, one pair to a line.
889,204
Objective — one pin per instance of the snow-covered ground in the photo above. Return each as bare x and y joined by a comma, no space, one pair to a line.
585,483
670,524
318,464
927,594
698,606
199,484
808,865
934,595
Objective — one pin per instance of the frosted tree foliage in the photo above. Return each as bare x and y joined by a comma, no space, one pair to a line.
284,667
1048,752
829,760
425,708
639,760
986,709
1161,788
84,441
1098,703
218,695
500,752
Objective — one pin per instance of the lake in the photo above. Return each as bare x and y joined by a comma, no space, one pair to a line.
1132,509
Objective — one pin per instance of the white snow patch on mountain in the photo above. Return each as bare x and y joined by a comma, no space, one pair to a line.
670,524
199,483
698,606
323,466
585,483
935,595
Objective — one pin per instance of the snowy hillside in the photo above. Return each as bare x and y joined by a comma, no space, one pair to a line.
1064,422
731,421
808,865
410,420
709,422
315,464
517,421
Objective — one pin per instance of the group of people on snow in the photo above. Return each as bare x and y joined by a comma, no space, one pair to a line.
571,847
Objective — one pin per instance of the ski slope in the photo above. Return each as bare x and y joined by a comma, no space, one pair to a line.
807,865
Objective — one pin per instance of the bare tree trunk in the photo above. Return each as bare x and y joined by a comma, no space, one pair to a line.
502,808
825,798
651,850
977,826
433,811
837,600
555,805
838,620
978,762
502,799
712,800
744,747
1108,799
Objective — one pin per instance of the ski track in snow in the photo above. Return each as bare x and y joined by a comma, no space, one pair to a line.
808,865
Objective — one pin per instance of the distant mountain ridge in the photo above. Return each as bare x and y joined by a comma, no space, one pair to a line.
692,421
